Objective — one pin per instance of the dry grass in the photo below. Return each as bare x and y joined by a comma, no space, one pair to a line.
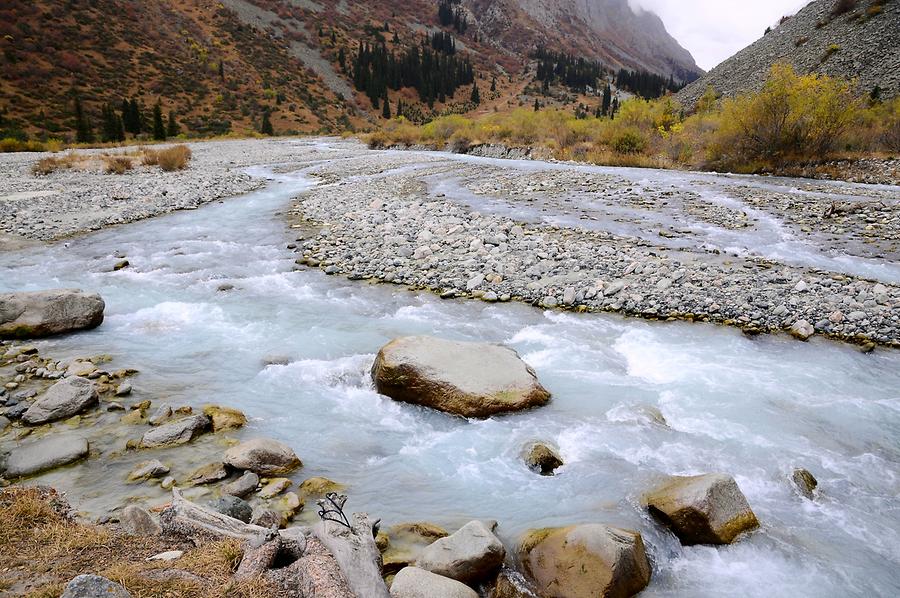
51,164
42,548
117,164
174,158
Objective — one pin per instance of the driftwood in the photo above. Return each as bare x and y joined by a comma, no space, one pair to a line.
355,551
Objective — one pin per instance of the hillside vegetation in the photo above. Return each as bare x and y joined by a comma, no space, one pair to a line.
794,119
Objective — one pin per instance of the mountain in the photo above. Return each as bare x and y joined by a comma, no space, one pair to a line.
853,39
221,65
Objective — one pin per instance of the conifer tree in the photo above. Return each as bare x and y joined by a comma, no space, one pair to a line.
607,99
172,128
83,130
265,126
537,105
221,71
494,83
476,97
159,130
385,107
399,111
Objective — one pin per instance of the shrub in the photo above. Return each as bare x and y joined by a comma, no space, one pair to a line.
51,164
174,158
843,6
890,135
149,157
117,164
11,144
629,141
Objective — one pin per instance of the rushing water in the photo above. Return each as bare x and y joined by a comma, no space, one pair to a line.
755,408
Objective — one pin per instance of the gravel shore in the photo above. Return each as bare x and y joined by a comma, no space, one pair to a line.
764,254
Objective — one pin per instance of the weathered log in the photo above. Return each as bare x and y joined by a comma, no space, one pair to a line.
355,551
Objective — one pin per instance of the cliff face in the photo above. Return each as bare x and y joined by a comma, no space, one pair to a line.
862,44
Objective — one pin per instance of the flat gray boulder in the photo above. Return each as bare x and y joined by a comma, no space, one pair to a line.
66,398
138,522
94,586
462,378
177,432
469,555
263,456
413,582
586,561
47,453
702,509
44,313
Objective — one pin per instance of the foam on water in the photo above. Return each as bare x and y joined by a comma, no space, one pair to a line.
755,408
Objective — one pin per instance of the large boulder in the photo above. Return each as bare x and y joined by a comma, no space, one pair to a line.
413,582
586,561
177,432
138,522
93,586
47,453
469,555
462,378
64,399
542,459
43,313
262,456
703,509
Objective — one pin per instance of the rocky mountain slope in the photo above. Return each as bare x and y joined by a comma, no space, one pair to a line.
219,66
858,39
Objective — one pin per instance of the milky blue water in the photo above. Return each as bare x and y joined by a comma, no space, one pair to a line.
755,408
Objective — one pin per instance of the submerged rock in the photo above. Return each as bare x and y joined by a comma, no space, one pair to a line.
805,482
44,313
703,509
542,459
319,486
404,542
148,469
462,378
64,399
207,474
469,555
47,453
177,432
586,561
263,456
413,582
93,586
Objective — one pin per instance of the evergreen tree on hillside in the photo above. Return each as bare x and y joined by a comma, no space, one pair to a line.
385,107
159,130
494,83
172,128
537,105
112,125
476,97
221,71
265,126
607,100
83,131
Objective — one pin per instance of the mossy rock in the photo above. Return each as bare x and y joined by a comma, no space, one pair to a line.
319,486
224,418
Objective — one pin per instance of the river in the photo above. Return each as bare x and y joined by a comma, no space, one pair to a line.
752,407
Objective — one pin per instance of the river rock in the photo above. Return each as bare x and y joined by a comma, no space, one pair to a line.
263,456
46,453
43,313
805,482
207,474
511,584
462,378
93,586
64,399
224,418
542,459
148,469
586,561
233,507
274,487
138,522
703,509
413,582
402,544
802,330
469,555
319,486
243,486
267,518
177,432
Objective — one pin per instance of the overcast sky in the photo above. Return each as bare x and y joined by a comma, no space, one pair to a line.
713,30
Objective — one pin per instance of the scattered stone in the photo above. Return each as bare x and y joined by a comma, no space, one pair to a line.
46,453
703,509
469,555
123,390
318,486
148,469
542,459
233,507
243,486
274,487
138,522
162,413
805,482
168,483
169,555
802,330
212,472
586,561
44,313
177,432
64,399
413,582
120,265
263,456
468,379
93,586
224,418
